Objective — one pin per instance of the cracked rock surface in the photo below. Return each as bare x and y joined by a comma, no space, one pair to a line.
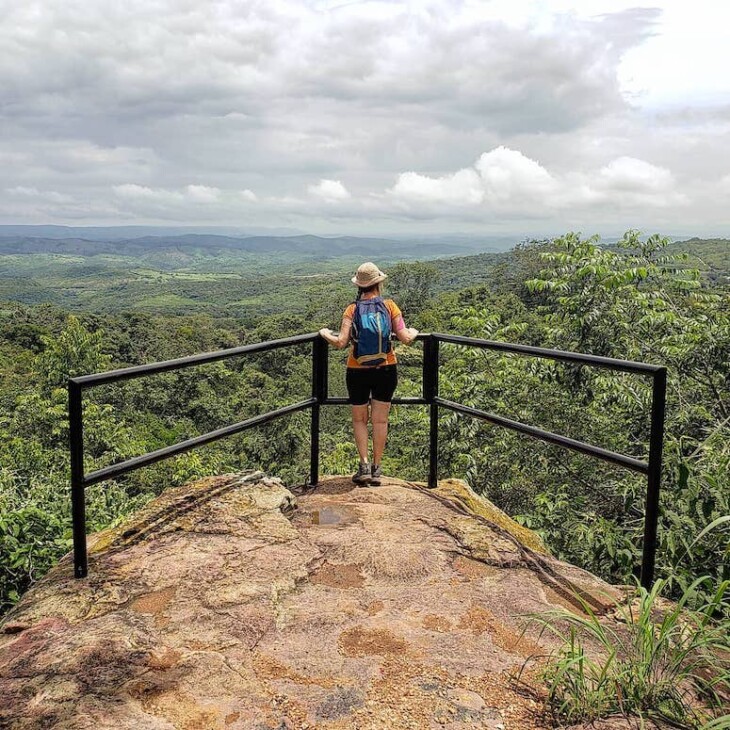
231,603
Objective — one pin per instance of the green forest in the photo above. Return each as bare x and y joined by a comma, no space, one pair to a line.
643,299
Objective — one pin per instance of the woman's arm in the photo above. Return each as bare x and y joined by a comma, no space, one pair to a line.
406,335
341,339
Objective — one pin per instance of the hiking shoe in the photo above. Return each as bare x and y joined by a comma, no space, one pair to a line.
376,475
362,476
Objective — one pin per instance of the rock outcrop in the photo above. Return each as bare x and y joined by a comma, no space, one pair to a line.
232,603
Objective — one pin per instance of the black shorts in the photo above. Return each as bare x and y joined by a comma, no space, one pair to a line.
376,383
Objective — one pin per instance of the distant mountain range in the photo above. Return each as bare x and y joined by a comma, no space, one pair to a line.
121,233
91,244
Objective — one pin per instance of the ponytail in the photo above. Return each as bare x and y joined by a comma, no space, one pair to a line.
363,289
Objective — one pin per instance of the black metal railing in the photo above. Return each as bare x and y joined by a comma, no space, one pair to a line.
320,396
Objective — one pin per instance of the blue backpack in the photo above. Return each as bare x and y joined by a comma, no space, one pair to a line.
371,331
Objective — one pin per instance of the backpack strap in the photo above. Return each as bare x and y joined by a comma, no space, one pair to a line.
355,318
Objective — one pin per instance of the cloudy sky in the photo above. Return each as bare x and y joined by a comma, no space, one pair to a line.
339,116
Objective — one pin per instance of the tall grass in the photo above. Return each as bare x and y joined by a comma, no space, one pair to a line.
663,660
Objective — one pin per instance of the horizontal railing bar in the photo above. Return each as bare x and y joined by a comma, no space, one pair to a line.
611,456
610,363
123,467
113,376
342,401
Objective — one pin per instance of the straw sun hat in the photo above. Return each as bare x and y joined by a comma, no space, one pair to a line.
368,274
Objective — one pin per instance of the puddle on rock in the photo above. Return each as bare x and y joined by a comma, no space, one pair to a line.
327,516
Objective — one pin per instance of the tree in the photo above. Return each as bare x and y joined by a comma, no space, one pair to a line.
76,351
413,285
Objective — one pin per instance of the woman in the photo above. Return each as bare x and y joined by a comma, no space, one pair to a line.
371,375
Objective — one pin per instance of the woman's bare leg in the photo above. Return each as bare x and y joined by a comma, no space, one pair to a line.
379,415
360,429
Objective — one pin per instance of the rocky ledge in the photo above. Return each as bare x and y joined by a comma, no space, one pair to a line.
231,603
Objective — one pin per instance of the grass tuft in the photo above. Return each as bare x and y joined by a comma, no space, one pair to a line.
662,662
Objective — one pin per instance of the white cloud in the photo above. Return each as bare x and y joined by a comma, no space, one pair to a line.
190,193
331,191
249,196
463,187
501,178
49,196
507,174
132,191
202,193
627,175
506,180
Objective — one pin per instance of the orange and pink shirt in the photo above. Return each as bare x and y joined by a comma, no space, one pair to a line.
396,318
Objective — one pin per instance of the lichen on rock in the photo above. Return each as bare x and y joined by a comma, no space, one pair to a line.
458,491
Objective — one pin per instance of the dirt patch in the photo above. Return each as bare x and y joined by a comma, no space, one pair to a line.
375,607
164,659
359,641
408,694
153,603
334,485
520,711
434,622
266,667
338,576
182,711
479,619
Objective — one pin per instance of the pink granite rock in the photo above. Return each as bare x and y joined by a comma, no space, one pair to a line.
223,605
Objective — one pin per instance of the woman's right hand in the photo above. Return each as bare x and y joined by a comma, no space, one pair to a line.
406,335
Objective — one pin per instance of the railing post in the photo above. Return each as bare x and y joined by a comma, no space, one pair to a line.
78,497
319,391
654,475
430,391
